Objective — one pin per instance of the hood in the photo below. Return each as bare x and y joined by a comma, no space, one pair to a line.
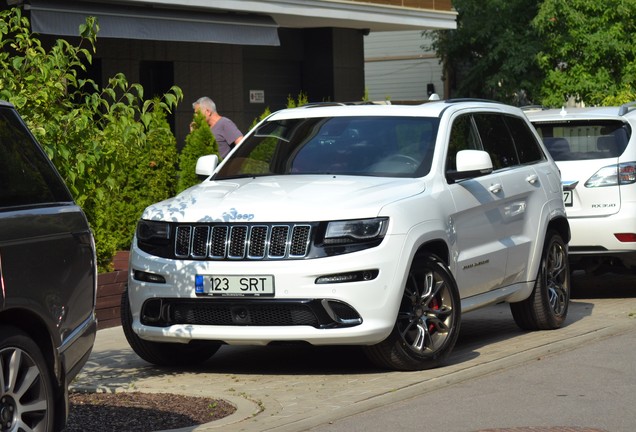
284,198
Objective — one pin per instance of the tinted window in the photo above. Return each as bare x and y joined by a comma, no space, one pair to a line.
496,139
579,140
26,174
463,137
525,142
376,146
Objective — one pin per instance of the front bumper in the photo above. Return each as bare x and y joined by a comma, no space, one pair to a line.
359,312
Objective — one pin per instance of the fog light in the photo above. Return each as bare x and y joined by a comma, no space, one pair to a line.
363,275
148,277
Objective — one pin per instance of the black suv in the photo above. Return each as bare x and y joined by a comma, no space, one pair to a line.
48,281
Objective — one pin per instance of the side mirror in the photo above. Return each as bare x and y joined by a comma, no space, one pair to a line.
470,163
206,165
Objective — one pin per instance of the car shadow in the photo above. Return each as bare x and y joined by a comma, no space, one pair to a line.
479,329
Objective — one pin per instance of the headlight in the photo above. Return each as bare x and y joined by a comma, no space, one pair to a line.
355,231
152,231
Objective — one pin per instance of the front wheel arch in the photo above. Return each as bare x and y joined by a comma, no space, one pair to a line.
165,354
427,322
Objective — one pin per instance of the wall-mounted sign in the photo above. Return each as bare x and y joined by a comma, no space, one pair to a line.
257,96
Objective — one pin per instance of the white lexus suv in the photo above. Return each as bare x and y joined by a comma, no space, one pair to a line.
595,149
371,225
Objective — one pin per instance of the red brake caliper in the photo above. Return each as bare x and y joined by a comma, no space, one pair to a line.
435,306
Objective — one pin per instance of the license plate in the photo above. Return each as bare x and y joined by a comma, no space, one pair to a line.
234,286
568,199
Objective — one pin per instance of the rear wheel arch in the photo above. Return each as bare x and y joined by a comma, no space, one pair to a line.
561,226
36,328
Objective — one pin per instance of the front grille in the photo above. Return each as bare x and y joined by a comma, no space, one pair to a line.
258,315
236,242
164,312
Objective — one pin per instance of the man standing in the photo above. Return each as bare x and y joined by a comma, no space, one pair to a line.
225,132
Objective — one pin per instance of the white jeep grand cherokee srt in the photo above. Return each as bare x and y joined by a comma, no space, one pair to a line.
371,225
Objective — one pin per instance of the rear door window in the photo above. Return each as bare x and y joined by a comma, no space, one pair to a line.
528,148
496,140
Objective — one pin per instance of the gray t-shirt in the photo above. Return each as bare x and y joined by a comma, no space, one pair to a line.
225,132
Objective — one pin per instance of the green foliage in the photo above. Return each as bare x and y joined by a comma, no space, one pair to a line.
147,176
300,100
90,133
266,112
492,52
199,142
589,50
624,95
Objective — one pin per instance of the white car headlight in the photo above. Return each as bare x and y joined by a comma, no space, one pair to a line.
359,230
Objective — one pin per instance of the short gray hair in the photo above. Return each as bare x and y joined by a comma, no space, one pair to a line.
206,103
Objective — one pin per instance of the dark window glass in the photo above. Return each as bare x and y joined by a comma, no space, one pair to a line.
463,137
527,146
496,139
26,174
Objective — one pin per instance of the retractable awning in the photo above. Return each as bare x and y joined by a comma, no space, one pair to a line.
132,22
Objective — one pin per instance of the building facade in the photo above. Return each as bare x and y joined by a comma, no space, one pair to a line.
398,65
246,55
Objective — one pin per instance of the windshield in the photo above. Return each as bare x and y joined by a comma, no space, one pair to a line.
580,140
369,146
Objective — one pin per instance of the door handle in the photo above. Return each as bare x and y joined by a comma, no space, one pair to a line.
496,188
532,179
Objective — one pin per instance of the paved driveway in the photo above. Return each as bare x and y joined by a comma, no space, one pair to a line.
293,388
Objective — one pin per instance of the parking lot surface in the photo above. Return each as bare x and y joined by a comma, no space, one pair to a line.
295,388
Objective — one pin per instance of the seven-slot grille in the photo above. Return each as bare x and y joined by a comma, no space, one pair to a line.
276,241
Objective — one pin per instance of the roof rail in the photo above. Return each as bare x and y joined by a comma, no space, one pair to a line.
533,108
625,108
455,100
319,104
381,102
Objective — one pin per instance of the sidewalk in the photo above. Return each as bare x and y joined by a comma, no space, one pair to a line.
286,388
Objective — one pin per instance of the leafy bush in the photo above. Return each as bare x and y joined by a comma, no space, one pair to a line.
148,175
199,142
90,133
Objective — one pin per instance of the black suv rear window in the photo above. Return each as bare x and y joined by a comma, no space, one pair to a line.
26,174
580,140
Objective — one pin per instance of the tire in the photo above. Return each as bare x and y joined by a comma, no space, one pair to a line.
547,306
164,354
27,398
427,323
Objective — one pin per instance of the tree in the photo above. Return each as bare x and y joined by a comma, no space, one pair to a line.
492,53
147,175
589,50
